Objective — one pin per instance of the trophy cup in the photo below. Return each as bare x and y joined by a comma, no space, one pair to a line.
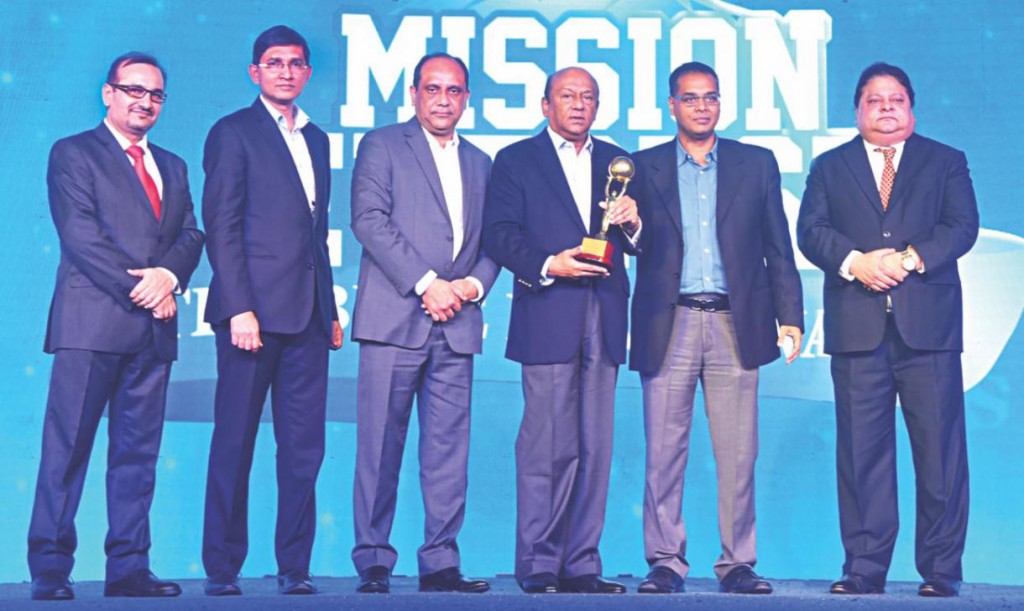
597,250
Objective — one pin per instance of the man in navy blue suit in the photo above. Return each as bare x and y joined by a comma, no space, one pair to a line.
271,305
886,216
128,244
567,329
715,275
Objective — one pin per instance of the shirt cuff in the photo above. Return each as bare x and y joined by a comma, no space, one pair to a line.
635,238
177,287
544,280
479,289
424,283
844,269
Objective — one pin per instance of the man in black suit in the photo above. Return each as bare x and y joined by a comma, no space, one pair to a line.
886,216
128,245
715,274
271,304
567,329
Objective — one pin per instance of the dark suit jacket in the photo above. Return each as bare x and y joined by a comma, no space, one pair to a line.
106,225
400,217
753,237
530,215
932,207
268,254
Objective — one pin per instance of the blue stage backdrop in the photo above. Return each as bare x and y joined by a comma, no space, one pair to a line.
787,70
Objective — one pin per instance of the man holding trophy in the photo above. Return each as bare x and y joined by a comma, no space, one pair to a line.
567,329
716,274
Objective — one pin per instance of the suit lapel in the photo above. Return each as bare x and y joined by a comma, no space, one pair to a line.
269,130
469,178
550,168
321,166
665,180
856,159
913,160
730,176
168,179
417,141
121,167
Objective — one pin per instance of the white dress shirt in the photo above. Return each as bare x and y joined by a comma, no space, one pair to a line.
296,143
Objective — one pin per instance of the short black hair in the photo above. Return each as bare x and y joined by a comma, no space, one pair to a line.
278,36
690,68
133,57
882,69
416,73
557,73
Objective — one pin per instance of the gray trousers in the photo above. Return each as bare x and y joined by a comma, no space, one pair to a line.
702,347
563,459
390,378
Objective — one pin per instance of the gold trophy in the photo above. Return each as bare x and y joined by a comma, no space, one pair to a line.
597,249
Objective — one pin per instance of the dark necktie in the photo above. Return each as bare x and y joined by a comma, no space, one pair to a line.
136,153
888,175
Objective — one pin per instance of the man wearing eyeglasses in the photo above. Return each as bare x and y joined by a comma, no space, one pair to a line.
129,244
715,274
417,206
271,305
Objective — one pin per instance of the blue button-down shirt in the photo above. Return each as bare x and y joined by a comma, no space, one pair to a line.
698,200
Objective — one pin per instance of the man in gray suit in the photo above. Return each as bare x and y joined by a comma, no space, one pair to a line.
417,204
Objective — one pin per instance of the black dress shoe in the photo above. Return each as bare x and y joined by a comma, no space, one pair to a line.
141,584
451,580
375,580
540,583
938,586
590,584
662,580
854,583
296,583
52,585
743,580
222,587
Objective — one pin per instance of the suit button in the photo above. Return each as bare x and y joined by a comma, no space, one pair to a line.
449,238
309,266
676,276
448,267
886,234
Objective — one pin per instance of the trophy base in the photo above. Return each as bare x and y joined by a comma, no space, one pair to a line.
596,252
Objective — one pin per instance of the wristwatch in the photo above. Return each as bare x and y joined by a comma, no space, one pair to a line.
909,260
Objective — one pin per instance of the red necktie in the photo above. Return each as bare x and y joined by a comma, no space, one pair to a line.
136,153
888,175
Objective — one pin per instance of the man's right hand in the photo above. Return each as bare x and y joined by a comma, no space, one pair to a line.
245,332
441,300
870,269
565,265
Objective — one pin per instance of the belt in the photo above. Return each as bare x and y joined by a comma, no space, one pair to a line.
705,302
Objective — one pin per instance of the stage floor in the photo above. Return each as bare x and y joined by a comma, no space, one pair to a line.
337,594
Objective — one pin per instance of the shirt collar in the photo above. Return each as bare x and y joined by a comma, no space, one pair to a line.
124,142
560,142
870,148
683,157
301,118
453,144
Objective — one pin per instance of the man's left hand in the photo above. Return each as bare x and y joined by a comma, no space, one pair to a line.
156,284
337,336
624,212
795,335
166,309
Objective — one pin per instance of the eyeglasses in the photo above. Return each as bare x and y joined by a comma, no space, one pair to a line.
276,65
138,92
690,101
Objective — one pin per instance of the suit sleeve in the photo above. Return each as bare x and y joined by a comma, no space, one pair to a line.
224,203
818,240
183,256
83,237
957,229
787,291
505,238
372,205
